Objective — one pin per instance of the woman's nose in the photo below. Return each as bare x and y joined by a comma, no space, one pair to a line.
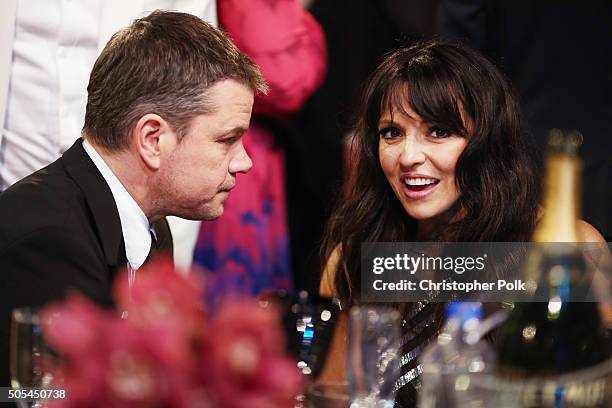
413,153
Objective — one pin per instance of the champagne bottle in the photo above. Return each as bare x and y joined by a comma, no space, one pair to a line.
558,335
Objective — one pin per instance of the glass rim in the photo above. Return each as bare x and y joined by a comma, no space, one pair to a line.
390,313
317,390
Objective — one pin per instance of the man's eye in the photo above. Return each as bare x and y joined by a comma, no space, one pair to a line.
440,133
229,140
390,132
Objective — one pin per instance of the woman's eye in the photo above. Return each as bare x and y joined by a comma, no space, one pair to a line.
390,132
440,133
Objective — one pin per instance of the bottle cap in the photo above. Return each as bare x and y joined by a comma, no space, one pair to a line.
564,141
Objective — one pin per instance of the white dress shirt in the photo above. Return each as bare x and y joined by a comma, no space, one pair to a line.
134,224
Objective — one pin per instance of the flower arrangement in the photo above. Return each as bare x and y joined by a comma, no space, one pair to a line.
161,348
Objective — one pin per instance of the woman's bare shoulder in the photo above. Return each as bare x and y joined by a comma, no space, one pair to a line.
587,233
327,286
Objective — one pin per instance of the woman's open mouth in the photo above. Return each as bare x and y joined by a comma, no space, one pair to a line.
419,187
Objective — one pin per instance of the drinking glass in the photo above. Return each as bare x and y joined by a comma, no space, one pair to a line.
373,356
29,354
327,395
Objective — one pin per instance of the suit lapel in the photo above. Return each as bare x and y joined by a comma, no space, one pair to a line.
100,200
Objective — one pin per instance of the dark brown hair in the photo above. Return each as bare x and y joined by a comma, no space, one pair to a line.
498,190
162,64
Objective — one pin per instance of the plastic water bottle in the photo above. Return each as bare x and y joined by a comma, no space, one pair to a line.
458,366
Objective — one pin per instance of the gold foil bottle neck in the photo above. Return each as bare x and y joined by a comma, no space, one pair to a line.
562,189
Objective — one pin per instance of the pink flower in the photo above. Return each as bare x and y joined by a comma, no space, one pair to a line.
160,295
163,300
73,329
245,363
168,352
129,366
71,326
146,367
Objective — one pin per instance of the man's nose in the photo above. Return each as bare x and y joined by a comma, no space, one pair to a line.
241,162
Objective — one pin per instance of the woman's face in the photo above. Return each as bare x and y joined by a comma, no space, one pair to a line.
419,160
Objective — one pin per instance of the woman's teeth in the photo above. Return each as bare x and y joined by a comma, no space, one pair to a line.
420,181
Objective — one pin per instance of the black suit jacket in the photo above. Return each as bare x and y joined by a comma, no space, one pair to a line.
59,231
557,54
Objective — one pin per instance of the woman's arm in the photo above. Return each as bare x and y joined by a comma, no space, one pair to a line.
327,286
587,233
598,258
335,365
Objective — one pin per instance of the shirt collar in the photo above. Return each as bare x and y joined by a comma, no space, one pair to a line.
134,223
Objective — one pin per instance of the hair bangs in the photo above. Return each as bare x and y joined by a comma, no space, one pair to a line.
430,91
436,97
394,98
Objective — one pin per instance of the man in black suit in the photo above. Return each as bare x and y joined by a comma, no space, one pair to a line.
557,54
168,101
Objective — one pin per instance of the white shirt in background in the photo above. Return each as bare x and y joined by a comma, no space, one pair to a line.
48,83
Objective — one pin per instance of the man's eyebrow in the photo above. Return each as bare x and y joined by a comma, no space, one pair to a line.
236,131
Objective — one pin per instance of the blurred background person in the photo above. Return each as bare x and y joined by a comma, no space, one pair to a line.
557,55
247,251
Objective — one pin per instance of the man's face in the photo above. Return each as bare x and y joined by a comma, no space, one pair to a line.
197,173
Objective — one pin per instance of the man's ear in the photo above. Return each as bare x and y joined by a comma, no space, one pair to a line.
147,136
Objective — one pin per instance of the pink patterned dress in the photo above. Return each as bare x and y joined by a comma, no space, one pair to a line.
246,251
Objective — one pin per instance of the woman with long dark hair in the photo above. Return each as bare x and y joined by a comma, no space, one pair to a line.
437,154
